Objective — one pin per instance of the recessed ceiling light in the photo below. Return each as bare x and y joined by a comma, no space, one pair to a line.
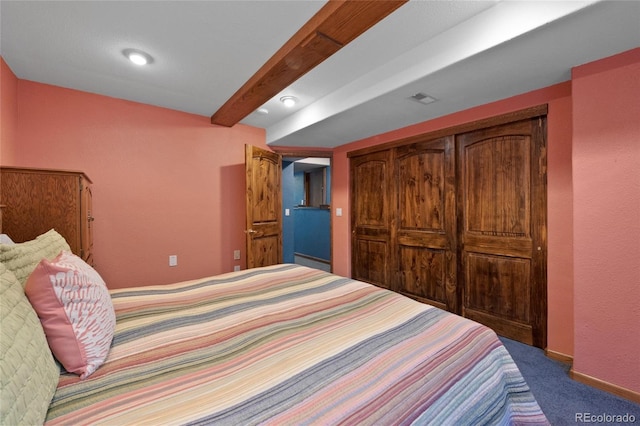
288,101
262,111
138,57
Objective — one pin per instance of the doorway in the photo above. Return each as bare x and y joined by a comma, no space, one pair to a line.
306,220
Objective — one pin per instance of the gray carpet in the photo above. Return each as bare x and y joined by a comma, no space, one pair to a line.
563,400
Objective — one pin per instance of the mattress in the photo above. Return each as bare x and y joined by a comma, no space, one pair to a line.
288,344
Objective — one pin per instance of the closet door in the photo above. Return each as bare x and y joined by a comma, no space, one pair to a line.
371,201
502,228
426,222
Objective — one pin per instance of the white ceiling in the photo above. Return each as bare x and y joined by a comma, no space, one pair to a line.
463,53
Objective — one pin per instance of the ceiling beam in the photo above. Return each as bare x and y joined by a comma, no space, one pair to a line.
330,29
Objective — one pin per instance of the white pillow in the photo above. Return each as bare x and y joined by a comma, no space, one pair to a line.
5,239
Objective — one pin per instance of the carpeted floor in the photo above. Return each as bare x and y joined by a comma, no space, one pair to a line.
563,400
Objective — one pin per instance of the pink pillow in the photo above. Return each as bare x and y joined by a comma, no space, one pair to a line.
76,312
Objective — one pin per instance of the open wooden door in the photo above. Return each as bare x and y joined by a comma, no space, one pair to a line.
263,207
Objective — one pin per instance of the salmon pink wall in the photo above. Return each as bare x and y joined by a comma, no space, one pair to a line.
164,182
559,226
606,175
8,105
559,277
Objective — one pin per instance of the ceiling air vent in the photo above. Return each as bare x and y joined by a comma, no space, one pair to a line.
423,98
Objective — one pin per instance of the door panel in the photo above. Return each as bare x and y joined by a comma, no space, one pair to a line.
500,286
426,229
497,174
422,274
370,216
371,261
498,239
263,207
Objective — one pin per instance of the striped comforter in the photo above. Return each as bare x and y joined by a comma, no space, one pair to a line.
292,345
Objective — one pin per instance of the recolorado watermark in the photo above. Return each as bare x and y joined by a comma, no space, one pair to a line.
605,418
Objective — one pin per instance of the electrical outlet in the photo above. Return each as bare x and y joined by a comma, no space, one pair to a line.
173,260
236,255
236,268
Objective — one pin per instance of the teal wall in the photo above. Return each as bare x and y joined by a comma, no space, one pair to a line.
306,230
311,230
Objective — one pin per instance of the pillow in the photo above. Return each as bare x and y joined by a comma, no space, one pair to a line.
22,258
28,372
5,239
76,311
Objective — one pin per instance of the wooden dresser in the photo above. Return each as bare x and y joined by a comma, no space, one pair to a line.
36,200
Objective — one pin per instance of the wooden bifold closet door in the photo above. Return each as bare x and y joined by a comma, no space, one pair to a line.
371,200
459,221
502,228
425,228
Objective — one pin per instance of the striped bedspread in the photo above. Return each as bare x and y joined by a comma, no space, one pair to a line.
290,345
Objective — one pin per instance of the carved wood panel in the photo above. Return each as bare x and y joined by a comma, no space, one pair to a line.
265,189
265,249
500,286
370,263
423,274
498,175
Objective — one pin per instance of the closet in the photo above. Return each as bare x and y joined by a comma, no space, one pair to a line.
36,200
457,219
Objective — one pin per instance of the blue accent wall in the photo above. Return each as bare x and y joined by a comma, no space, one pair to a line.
312,232
307,229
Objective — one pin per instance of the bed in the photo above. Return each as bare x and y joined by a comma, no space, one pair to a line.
288,344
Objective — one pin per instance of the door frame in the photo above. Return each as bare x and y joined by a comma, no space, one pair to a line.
287,153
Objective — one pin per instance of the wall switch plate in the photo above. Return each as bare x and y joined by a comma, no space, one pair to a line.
339,211
173,260
236,255
287,212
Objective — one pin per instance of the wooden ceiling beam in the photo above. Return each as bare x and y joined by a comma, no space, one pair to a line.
330,29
